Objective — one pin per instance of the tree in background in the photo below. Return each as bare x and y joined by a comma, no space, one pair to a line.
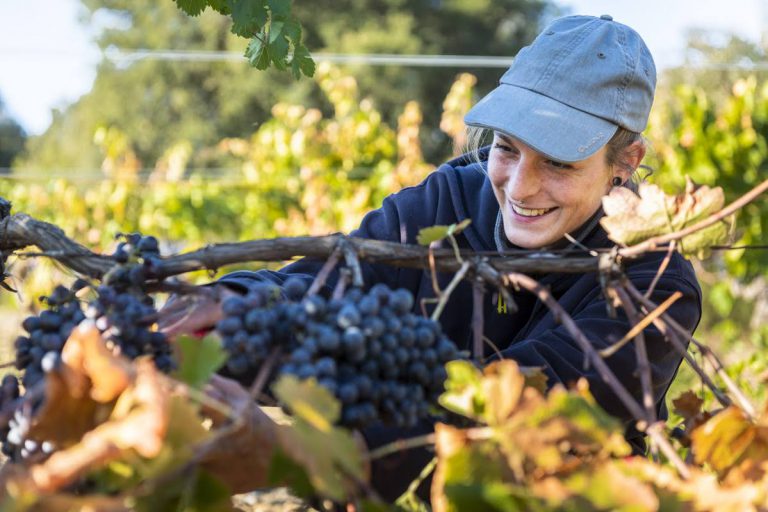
12,137
713,61
159,104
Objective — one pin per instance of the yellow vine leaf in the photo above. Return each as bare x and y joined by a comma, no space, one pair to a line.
631,219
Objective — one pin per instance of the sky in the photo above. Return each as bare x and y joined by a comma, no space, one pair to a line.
48,59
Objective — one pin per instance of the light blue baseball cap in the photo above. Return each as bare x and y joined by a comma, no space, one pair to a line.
567,93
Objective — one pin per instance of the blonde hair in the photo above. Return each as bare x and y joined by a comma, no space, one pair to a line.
616,154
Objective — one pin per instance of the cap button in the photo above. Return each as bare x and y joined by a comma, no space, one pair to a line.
606,17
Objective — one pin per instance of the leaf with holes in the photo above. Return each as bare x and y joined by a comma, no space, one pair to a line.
630,219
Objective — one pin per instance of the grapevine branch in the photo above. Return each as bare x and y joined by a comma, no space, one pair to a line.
716,217
711,357
21,230
641,325
477,321
601,367
641,352
562,317
325,271
680,344
446,294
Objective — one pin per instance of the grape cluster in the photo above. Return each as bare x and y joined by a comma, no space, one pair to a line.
15,443
252,325
381,361
126,322
137,258
40,349
9,392
123,311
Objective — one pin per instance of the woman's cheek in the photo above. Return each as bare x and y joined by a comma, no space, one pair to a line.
496,174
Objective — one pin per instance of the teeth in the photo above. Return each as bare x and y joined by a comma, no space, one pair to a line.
526,212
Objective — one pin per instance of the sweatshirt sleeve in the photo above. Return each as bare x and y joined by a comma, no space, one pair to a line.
564,362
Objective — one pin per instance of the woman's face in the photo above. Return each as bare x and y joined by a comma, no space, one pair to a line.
540,199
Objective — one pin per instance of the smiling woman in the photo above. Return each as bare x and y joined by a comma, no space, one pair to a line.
542,199
566,120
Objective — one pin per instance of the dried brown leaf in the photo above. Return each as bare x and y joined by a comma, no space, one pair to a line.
79,393
688,405
138,422
502,386
85,353
631,219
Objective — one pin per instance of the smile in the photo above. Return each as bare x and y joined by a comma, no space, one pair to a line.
528,212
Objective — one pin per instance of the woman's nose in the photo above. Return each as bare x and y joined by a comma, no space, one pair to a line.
524,181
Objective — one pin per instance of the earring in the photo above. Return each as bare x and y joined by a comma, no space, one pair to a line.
616,181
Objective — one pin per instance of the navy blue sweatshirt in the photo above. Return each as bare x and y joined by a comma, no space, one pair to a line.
460,190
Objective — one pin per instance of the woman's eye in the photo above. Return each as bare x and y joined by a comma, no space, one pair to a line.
559,165
503,147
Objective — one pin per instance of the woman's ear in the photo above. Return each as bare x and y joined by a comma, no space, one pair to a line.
630,160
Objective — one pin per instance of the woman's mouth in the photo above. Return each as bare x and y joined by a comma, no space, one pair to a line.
531,212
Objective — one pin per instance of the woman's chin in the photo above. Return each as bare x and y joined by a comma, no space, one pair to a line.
529,240
531,236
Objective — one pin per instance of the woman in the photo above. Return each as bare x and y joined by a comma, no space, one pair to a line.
566,122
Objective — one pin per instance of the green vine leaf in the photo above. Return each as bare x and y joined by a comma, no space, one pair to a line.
192,7
280,8
327,453
302,62
436,233
275,34
200,358
248,16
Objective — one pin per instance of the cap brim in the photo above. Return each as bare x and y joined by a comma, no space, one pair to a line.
559,131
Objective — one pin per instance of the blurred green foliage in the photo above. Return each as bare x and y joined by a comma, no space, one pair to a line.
722,143
158,103
299,173
710,123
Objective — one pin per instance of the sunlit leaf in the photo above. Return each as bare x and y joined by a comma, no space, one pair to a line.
86,357
535,378
436,233
308,401
469,475
631,219
463,393
138,422
79,393
199,359
608,488
502,386
328,454
722,440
